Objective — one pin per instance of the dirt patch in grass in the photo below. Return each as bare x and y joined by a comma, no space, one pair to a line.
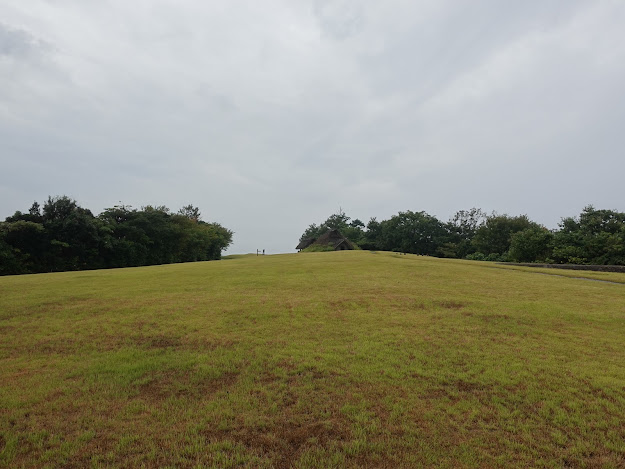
401,302
162,341
448,304
446,389
4,330
347,304
287,364
85,306
296,426
52,346
108,342
294,375
494,317
208,344
318,434
61,419
180,384
412,304
285,441
434,393
466,386
157,341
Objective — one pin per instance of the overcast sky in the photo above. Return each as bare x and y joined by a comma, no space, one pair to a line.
270,115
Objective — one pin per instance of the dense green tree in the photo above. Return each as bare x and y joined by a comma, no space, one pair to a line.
221,237
73,235
373,235
412,232
467,222
534,244
61,235
493,237
352,230
594,222
23,245
461,229
9,263
595,237
568,243
191,212
311,232
200,241
125,243
33,215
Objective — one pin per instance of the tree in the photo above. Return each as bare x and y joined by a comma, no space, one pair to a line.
493,237
413,232
191,212
339,221
372,238
9,263
462,227
221,236
568,243
22,245
534,244
73,235
312,231
467,222
35,211
61,235
595,237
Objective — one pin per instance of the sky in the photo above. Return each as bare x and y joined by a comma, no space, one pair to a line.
273,115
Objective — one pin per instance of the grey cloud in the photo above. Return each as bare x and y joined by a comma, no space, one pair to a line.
339,19
19,43
423,59
271,116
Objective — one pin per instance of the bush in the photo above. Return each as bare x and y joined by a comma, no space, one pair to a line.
319,248
476,256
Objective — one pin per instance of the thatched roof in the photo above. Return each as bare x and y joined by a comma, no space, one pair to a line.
344,245
303,244
333,238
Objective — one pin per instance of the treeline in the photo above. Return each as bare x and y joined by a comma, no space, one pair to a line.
595,237
61,235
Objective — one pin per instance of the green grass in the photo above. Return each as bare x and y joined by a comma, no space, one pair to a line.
346,359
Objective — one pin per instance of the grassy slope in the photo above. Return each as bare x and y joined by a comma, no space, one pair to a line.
614,277
312,360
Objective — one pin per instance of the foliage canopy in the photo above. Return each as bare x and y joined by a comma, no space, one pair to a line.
595,237
63,236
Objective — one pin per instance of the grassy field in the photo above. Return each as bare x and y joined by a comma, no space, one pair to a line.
346,359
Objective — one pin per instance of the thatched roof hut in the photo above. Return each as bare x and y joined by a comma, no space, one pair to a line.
332,238
303,244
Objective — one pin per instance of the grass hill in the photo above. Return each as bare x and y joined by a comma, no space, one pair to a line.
342,359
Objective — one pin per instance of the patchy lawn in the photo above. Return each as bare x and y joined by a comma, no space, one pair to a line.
346,359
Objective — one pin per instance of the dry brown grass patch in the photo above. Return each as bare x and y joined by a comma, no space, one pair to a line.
168,384
286,440
449,304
